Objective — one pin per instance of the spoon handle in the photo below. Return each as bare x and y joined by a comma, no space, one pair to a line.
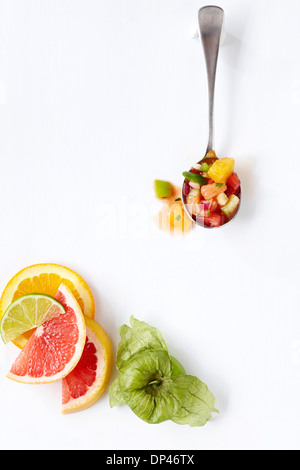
210,20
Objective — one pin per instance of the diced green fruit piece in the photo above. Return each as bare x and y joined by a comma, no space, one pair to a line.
222,199
205,167
194,177
231,205
163,189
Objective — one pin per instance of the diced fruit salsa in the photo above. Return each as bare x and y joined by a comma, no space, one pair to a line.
211,191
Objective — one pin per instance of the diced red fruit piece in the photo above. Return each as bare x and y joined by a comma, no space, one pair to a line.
230,191
233,182
214,220
210,219
206,205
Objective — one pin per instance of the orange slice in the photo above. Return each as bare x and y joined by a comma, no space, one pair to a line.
46,279
84,386
56,346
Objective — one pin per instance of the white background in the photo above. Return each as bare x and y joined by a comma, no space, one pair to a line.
99,98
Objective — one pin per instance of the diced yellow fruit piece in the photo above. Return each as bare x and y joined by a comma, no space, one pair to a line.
222,199
221,170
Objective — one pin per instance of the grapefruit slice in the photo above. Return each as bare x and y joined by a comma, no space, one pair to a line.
55,347
84,386
46,279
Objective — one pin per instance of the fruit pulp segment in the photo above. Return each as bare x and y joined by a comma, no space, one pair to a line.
77,383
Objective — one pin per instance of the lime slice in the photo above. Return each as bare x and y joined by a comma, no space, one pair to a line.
28,312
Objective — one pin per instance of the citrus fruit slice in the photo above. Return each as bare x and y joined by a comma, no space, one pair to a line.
88,381
46,279
28,312
55,347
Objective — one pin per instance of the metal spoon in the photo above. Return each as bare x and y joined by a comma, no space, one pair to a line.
210,19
